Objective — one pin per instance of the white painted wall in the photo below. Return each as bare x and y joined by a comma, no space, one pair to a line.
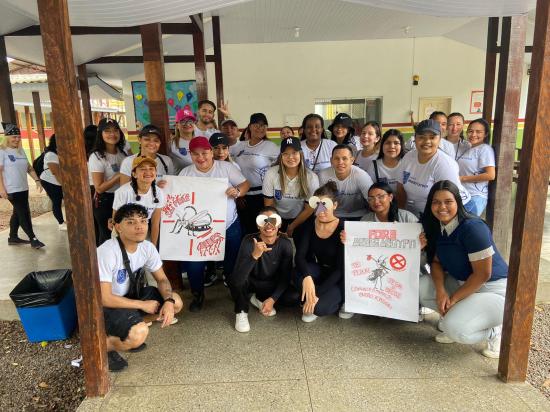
284,79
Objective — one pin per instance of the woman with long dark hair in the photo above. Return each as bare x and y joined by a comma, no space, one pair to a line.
104,167
385,167
51,181
289,184
254,156
342,131
468,277
371,134
477,165
315,145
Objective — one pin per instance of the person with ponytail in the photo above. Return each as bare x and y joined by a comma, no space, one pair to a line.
51,181
371,133
142,189
455,135
150,139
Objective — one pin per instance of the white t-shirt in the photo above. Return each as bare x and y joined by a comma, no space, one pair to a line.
472,163
444,145
352,191
221,169
108,165
365,162
318,159
206,133
386,174
289,204
181,156
460,148
417,179
47,175
125,194
111,264
254,161
126,166
15,165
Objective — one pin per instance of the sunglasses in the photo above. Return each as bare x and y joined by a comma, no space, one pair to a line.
273,220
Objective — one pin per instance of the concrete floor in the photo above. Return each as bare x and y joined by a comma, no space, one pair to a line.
363,363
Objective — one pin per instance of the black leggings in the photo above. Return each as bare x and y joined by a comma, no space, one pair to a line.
242,286
55,193
248,213
103,211
21,216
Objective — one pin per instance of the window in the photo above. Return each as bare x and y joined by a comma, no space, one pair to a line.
361,110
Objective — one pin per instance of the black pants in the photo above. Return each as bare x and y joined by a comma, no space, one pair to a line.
248,213
242,286
329,288
55,193
21,216
103,211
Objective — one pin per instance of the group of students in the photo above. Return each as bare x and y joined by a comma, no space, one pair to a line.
303,190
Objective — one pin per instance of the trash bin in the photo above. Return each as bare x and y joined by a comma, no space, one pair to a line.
46,304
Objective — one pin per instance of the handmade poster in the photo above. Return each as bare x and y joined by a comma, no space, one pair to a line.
193,219
382,265
179,95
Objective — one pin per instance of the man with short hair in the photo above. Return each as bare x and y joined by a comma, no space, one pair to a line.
205,116
231,130
124,324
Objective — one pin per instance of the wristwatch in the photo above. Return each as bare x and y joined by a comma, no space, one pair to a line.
170,300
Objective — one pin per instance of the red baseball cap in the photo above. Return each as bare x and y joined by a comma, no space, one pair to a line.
185,114
199,142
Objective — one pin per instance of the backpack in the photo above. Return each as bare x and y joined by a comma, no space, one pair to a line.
38,164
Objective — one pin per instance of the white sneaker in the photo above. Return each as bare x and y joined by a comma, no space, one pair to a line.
241,322
258,304
439,322
426,311
443,338
63,227
493,344
342,314
309,318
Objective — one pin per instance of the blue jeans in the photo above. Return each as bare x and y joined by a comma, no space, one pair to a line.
476,205
195,270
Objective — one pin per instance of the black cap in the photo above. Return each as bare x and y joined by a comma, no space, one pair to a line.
218,138
228,121
428,125
105,123
11,129
258,118
293,142
344,119
150,129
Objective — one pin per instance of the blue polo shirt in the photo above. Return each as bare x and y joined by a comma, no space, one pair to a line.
470,241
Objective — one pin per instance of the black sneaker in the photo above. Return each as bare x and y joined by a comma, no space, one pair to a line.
210,278
225,281
197,302
37,244
116,362
17,241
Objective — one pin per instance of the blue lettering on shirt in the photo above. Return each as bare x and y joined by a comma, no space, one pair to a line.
406,176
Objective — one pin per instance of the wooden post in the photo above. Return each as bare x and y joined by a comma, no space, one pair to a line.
39,120
58,56
153,63
505,128
51,122
490,69
534,171
200,60
218,64
18,119
6,96
85,94
28,124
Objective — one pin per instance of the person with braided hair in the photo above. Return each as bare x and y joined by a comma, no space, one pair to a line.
142,189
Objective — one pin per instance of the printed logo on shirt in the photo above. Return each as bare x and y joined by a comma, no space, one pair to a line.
12,158
121,276
240,153
115,168
183,151
262,171
307,162
406,176
278,194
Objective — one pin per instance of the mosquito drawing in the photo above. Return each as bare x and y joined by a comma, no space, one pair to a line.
192,221
379,272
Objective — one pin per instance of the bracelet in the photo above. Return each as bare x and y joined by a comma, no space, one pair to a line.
170,300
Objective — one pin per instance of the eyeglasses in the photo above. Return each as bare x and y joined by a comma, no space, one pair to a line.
186,122
377,197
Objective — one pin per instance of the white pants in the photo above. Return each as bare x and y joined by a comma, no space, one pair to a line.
470,320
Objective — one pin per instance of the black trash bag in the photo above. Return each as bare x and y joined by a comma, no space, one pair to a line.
42,288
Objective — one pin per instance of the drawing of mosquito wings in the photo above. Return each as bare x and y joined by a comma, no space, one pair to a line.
201,222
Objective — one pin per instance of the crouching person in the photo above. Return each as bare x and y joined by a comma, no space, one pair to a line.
263,269
123,311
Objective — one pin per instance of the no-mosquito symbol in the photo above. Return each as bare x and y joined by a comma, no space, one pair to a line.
398,262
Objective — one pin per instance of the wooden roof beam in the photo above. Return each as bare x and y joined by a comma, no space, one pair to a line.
139,59
167,28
